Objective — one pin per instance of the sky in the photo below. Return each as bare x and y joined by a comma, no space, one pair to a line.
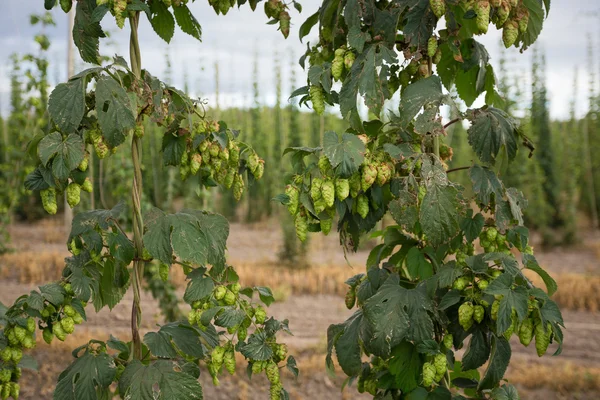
236,40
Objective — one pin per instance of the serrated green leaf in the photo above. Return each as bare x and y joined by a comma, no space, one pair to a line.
162,21
173,147
531,263
257,347
346,344
517,203
199,287
404,210
111,287
187,22
404,365
505,392
492,131
87,32
536,21
113,108
477,352
66,104
161,380
439,214
159,344
418,266
307,25
419,23
485,184
345,153
499,359
419,94
472,226
87,378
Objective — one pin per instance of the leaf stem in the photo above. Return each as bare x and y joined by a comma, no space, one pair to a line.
136,194
457,169
455,120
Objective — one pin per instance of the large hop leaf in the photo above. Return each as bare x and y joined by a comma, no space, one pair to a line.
491,132
88,376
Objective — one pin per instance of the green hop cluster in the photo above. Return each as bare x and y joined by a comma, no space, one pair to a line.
10,389
493,241
73,194
49,200
317,97
94,137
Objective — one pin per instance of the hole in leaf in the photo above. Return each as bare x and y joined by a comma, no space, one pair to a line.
105,106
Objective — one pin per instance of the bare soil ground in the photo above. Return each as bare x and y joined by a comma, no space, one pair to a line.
309,317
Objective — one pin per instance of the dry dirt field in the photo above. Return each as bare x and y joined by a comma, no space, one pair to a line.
310,299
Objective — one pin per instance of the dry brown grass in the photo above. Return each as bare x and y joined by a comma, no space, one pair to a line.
576,291
32,266
563,378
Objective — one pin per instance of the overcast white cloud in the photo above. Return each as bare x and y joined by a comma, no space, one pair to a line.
235,40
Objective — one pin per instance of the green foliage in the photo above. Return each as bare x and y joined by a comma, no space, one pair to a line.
426,292
105,107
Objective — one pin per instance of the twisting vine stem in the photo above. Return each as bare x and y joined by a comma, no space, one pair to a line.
136,193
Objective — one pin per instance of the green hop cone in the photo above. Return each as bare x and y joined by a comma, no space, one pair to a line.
513,326
294,194
214,150
229,361
31,325
119,7
349,58
28,342
438,7
77,318
14,387
542,338
502,13
49,200
465,315
384,173
362,205
482,284
328,193
491,234
20,333
438,56
350,298
68,325
440,363
260,170
17,374
523,19
191,317
5,391
234,153
315,189
83,165
478,313
337,67
69,310
526,332
163,272
5,375
326,225
220,292
432,46
342,189
229,298
428,374
47,335
238,187
368,177
355,184
260,315
272,371
257,367
17,355
224,154
482,9
195,163
495,309
253,161
460,283
510,32
229,178
217,356
87,186
324,165
66,5
301,225
281,351
242,333
448,340
275,391
6,354
317,97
